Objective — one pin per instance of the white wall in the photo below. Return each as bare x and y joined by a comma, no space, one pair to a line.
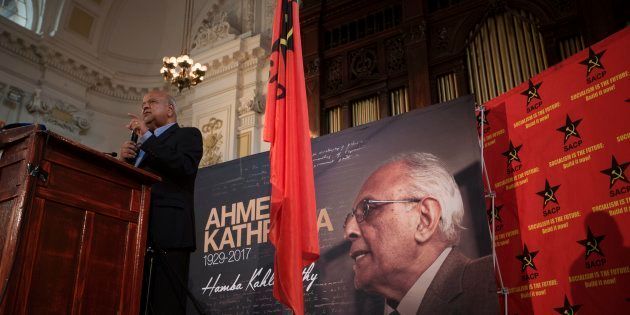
81,95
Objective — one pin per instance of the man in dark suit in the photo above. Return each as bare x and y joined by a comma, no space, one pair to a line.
173,153
403,228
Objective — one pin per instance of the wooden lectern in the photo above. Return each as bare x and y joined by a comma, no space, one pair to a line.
73,225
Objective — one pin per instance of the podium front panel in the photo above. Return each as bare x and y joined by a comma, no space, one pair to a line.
80,245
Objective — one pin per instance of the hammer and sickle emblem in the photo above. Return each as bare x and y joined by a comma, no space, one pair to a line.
549,197
532,93
592,63
570,131
592,247
617,174
528,262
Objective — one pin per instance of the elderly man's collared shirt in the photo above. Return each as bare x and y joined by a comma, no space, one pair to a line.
413,298
145,136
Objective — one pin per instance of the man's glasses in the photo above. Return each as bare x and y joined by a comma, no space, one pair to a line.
365,207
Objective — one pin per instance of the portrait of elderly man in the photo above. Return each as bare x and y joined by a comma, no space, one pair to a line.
403,229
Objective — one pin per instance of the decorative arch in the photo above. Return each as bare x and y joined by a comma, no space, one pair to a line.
505,49
25,13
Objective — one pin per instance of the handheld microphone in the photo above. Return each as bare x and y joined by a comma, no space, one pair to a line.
133,138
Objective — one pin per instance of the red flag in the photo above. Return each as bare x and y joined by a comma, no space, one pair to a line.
293,229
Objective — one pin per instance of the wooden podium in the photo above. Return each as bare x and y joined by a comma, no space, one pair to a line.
73,225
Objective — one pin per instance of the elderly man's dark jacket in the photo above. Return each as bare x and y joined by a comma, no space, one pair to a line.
462,286
174,156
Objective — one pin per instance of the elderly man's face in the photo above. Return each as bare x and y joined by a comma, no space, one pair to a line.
383,245
156,110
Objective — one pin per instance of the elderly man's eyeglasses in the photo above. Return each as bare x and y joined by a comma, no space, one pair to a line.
365,207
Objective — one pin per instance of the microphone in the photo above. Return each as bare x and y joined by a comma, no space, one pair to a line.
133,138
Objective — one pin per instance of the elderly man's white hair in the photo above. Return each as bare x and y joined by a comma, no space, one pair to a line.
430,177
171,99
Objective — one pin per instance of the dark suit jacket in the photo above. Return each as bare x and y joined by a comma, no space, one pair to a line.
174,156
462,286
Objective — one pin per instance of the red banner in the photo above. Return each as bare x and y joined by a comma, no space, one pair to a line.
293,231
557,152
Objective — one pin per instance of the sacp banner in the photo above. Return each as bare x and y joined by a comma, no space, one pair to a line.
557,151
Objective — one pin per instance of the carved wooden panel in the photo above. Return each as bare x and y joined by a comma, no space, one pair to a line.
395,54
363,62
334,68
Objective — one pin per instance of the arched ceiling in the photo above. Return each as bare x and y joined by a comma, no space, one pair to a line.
119,44
127,38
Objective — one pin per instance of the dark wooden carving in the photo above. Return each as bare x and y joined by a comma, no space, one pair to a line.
442,39
312,68
72,227
395,52
334,73
363,62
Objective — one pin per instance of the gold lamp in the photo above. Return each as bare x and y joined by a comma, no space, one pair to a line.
181,71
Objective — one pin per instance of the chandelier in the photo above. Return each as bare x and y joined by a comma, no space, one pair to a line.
180,71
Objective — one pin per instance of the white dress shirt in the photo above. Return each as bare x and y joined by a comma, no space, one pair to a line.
145,136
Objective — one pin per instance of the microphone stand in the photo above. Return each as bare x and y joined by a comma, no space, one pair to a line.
156,255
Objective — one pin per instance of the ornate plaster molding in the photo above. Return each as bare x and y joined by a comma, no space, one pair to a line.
246,105
248,16
20,47
212,141
64,115
238,61
131,94
214,29
12,96
247,121
251,101
48,58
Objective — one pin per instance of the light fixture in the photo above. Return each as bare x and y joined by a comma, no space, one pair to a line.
180,71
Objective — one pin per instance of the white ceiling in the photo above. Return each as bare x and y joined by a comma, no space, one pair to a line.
125,40
129,38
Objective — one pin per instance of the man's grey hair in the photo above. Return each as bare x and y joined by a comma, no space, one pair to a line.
171,100
430,177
